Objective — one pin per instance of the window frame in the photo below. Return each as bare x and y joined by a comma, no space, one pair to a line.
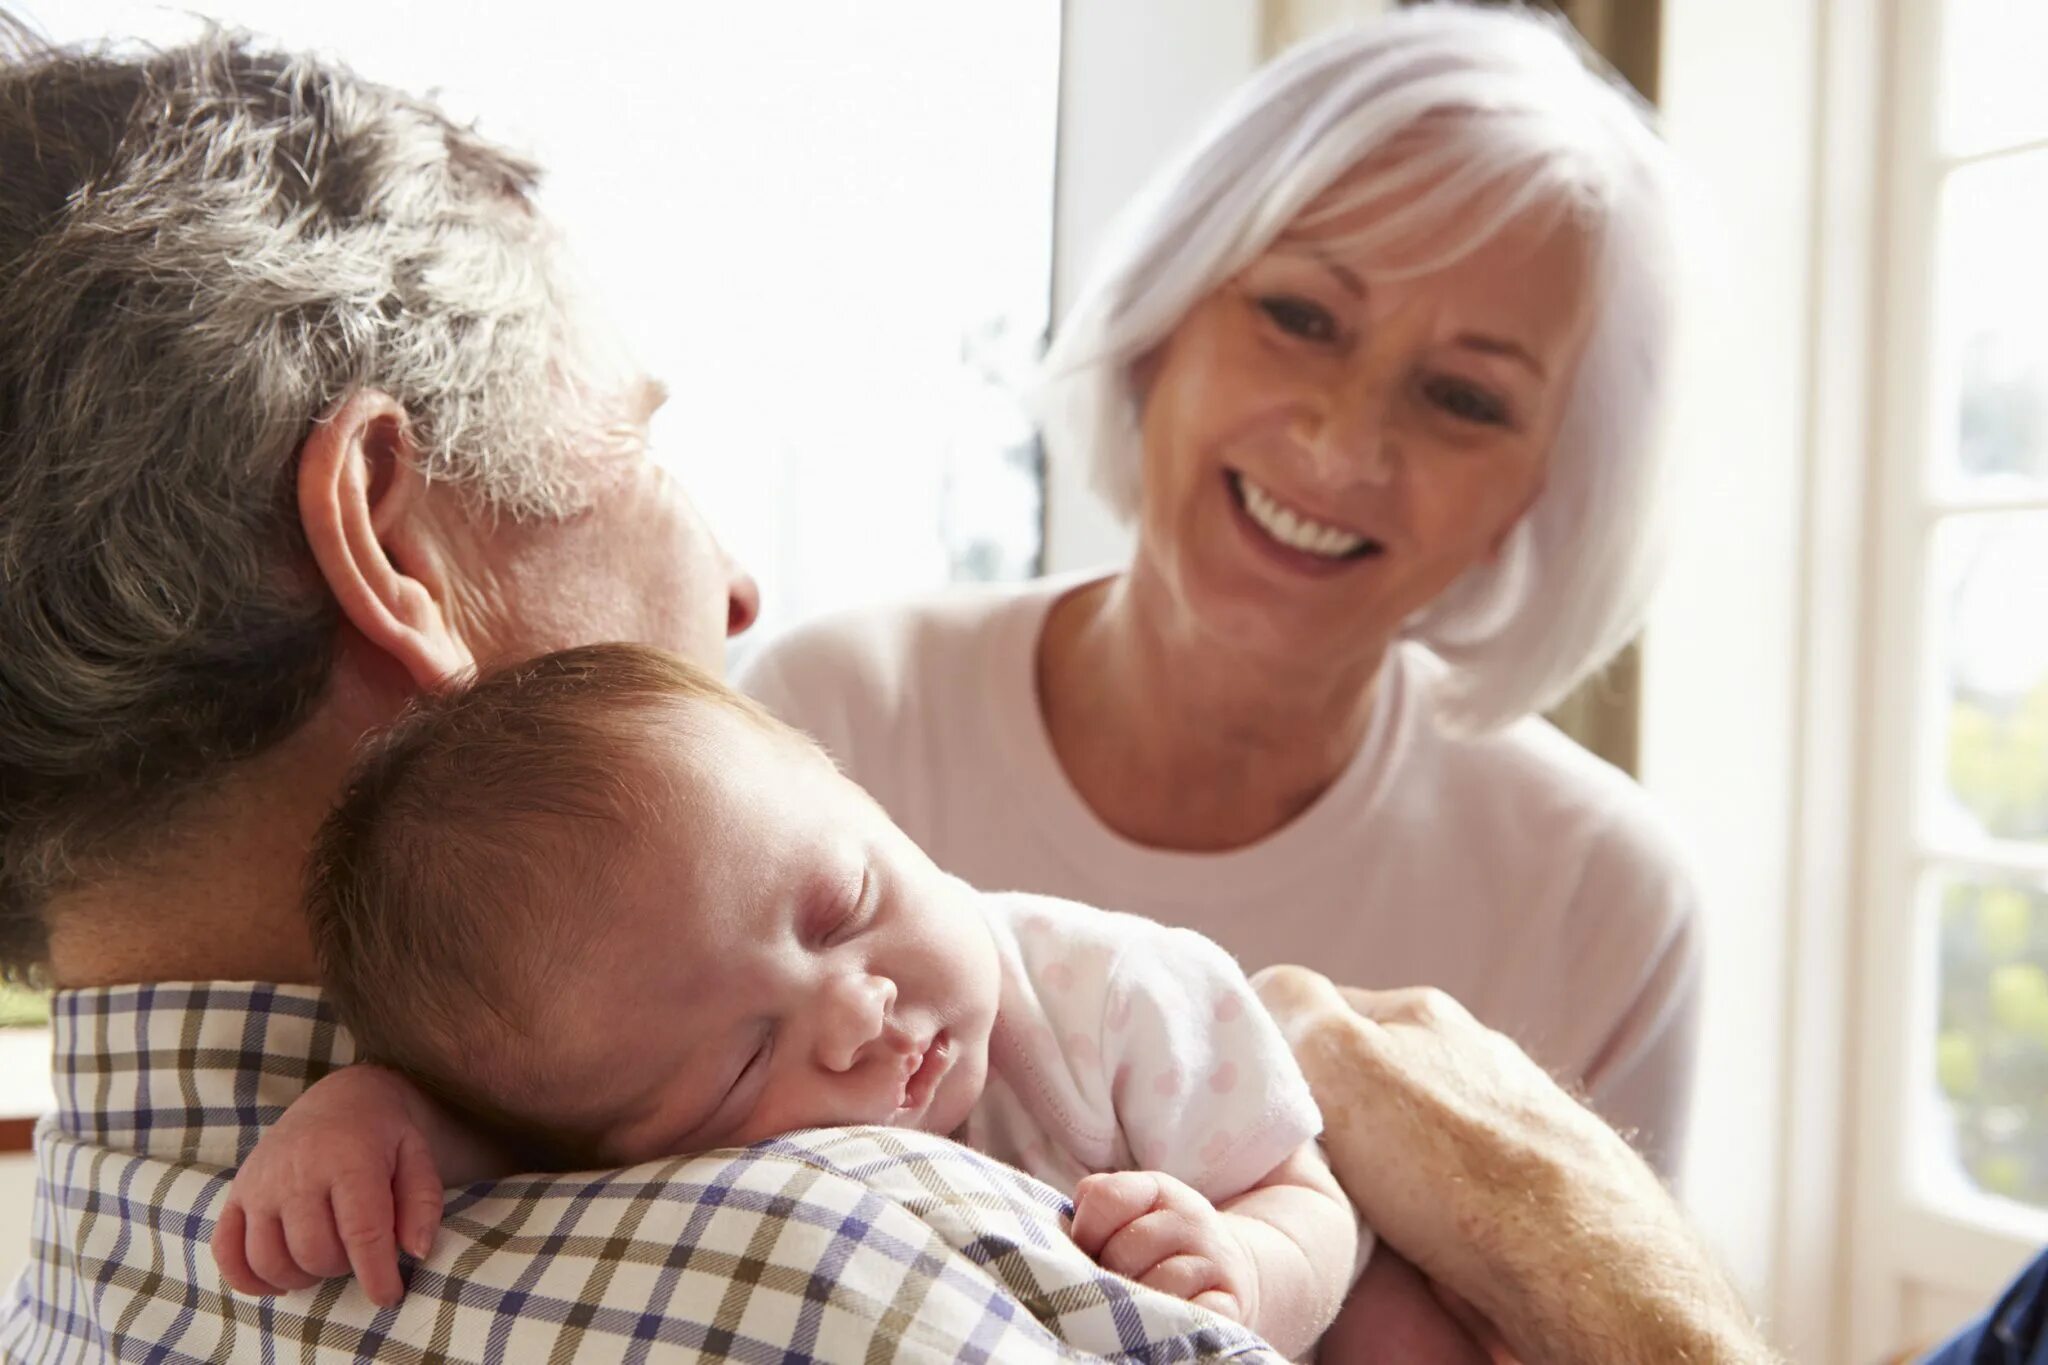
1912,1259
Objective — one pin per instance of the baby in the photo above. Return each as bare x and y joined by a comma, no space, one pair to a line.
606,910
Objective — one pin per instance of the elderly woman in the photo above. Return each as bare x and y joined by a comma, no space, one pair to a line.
1376,371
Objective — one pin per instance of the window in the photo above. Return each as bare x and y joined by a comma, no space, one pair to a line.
1957,975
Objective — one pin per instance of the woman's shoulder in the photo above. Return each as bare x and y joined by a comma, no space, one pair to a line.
1556,795
880,650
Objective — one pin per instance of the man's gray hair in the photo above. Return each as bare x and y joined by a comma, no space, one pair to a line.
202,250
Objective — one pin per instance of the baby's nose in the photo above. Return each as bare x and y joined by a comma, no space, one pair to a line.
857,1018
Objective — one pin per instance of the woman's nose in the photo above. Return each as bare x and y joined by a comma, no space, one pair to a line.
1346,441
856,1014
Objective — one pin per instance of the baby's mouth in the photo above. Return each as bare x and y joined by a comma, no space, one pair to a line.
922,1071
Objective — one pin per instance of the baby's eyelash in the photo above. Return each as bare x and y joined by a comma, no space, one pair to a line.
846,925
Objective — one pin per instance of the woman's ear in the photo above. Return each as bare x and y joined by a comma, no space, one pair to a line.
358,484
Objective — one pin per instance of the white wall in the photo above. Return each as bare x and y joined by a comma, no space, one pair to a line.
1136,81
1727,696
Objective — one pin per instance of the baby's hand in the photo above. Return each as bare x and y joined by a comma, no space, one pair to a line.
337,1184
1149,1227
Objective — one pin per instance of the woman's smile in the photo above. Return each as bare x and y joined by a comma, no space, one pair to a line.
1293,536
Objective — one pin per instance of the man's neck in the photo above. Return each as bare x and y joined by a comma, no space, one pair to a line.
215,895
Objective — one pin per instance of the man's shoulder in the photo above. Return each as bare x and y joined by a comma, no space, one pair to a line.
802,1247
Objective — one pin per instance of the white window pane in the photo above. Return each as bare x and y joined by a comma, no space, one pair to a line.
1990,631
1991,436
1992,91
1991,1040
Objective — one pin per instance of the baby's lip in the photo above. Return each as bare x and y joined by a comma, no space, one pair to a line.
922,1070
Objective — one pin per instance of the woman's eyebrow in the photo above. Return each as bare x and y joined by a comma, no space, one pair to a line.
1344,275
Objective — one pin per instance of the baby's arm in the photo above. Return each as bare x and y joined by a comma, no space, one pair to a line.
1277,1257
353,1171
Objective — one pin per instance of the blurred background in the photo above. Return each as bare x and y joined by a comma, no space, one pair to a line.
839,231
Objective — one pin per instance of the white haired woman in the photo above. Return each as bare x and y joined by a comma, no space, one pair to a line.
1376,370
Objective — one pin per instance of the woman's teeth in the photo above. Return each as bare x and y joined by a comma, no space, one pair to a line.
1295,531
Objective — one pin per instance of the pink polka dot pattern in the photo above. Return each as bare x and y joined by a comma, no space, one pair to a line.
1082,1049
1228,1008
1166,1084
1060,976
1119,1014
1223,1079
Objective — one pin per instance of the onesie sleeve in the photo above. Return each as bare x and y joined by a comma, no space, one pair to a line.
1204,1086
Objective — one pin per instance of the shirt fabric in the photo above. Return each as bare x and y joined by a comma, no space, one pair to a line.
844,1244
1514,870
1121,1045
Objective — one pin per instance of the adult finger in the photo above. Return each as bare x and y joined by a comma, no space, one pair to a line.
1424,1005
1295,996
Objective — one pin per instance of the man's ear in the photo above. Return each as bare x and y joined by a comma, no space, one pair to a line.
358,483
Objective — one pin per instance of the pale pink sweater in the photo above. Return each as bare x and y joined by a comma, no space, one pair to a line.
1516,871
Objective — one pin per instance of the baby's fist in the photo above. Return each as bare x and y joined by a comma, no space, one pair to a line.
1149,1227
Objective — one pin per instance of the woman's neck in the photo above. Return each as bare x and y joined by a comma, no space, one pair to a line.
1176,739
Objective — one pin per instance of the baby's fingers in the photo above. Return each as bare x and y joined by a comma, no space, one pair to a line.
271,1258
418,1188
310,1237
363,1217
231,1253
1105,1203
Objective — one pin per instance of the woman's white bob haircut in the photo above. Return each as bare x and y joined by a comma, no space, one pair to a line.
1520,124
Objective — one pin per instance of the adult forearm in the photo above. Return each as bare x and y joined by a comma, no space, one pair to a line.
1462,1154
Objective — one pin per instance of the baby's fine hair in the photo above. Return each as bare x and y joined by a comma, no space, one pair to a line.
453,884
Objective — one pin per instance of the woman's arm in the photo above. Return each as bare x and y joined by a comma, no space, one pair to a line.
1462,1153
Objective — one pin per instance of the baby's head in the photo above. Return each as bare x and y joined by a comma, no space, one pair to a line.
604,903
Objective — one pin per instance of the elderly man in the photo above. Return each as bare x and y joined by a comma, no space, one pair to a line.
297,419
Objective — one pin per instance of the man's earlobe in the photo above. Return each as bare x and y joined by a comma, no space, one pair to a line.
358,484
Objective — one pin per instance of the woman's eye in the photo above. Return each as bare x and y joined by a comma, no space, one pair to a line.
1466,402
1300,318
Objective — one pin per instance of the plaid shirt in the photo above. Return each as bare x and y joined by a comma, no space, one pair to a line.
843,1244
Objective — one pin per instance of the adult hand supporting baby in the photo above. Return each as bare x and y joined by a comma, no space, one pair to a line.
1462,1154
